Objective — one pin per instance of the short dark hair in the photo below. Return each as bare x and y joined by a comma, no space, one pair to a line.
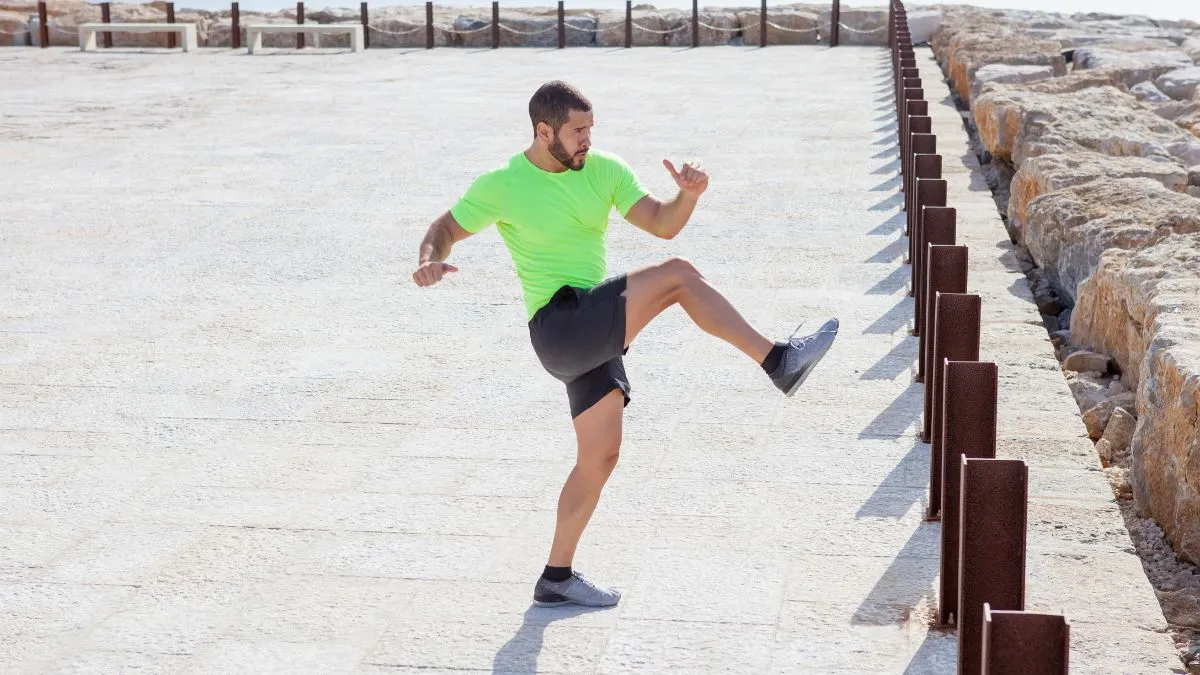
552,103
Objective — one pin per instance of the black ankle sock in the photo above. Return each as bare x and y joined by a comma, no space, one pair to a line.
770,363
557,573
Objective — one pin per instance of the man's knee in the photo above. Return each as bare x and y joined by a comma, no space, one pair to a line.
681,272
601,456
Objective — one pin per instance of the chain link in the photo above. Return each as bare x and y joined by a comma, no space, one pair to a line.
595,30
785,29
738,29
527,32
863,32
416,29
659,32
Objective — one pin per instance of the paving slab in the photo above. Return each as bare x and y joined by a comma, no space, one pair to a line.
235,437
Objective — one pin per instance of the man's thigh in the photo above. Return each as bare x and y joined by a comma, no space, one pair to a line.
585,392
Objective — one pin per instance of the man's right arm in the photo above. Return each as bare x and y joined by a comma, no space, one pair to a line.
443,233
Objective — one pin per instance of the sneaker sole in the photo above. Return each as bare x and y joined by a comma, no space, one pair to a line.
804,376
560,603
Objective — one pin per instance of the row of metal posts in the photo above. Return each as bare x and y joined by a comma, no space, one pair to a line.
981,501
235,20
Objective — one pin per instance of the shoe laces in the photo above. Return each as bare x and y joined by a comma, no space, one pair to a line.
800,342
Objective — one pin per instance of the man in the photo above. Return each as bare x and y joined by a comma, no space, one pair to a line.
551,204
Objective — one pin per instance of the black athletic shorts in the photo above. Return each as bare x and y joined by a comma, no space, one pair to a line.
579,336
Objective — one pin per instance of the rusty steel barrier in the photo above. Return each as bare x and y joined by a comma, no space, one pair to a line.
955,337
992,513
981,500
969,391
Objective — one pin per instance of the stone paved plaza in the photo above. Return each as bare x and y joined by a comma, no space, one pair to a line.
236,438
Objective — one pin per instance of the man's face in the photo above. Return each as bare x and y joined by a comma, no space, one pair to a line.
574,138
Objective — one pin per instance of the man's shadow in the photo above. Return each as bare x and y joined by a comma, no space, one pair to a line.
519,656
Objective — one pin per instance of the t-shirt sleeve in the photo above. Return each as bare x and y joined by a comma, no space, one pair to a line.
627,189
483,202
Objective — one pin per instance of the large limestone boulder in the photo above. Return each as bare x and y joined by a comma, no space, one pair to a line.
1180,84
14,28
858,26
1143,308
1191,47
716,28
923,24
791,27
1016,124
649,29
1002,73
1067,230
1135,66
1146,91
403,26
970,51
1047,173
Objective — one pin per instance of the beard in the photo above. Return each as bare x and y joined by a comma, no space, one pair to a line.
559,152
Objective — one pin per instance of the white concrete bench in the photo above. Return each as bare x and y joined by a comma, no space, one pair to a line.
87,32
254,32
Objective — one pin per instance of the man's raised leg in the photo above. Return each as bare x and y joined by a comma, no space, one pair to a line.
598,433
651,290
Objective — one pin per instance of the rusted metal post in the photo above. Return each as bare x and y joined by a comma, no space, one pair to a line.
927,174
628,23
955,338
106,17
495,24
946,272
937,227
43,25
906,74
912,108
1024,643
695,23
562,29
300,21
170,19
919,143
835,17
235,26
366,24
970,392
934,196
917,125
762,25
993,509
429,24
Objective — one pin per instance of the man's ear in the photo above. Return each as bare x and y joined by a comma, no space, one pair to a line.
544,132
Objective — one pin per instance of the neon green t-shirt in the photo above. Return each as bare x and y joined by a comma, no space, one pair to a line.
554,224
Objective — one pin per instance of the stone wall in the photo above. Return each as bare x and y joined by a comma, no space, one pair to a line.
404,25
1090,128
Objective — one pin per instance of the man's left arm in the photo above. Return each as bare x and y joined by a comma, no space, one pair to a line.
665,219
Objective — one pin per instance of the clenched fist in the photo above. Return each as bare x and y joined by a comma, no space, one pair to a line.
691,178
432,272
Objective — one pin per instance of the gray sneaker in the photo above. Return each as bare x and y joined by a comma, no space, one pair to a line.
575,590
802,356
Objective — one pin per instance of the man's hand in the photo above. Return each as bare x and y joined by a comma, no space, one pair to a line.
431,272
691,179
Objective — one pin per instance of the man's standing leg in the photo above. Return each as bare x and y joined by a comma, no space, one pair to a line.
598,434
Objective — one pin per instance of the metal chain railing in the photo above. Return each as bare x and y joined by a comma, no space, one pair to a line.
529,32
416,29
657,31
785,29
720,29
594,30
861,32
